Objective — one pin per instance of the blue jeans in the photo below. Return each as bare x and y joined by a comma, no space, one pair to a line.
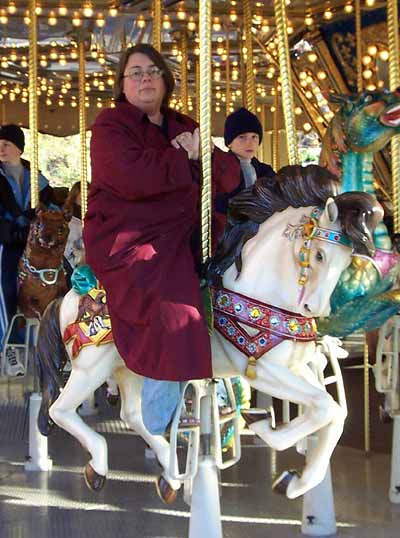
159,402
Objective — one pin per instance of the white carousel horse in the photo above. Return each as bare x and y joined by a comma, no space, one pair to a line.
287,245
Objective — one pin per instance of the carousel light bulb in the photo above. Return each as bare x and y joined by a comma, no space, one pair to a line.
321,75
52,19
74,104
74,54
381,83
62,10
265,26
24,62
141,21
3,17
220,51
308,21
11,8
27,19
367,74
53,55
366,60
13,56
191,24
76,20
298,111
348,8
307,127
24,100
217,25
100,20
384,55
370,3
110,81
371,87
87,10
312,57
38,9
62,60
308,94
372,50
181,15
101,60
272,109
233,16
113,11
328,14
166,22
61,103
43,61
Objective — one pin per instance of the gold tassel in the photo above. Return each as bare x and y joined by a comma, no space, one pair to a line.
251,368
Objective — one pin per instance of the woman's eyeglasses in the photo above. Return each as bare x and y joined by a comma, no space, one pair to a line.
137,73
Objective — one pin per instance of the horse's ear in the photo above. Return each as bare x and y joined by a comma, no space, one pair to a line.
67,212
41,208
331,210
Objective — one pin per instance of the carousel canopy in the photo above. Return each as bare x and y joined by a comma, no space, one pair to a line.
322,52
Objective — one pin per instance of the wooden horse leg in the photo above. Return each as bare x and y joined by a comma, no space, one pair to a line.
83,381
130,386
320,411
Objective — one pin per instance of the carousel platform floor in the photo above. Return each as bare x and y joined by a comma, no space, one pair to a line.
58,504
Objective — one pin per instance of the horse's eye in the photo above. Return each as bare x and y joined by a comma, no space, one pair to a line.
319,256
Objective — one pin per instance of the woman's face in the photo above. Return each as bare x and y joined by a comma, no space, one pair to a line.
148,91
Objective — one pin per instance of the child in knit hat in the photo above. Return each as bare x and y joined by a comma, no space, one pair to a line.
237,169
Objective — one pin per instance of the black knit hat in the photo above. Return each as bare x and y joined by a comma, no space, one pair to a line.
239,122
13,134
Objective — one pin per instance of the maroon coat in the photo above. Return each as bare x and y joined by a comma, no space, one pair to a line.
143,207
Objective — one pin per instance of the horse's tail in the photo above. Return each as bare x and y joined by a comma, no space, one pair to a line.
51,357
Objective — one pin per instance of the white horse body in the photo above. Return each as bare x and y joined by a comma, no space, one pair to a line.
269,274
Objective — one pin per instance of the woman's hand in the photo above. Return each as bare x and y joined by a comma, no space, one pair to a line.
190,142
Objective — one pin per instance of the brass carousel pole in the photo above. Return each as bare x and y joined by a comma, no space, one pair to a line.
184,74
205,123
394,82
367,433
82,127
156,38
275,133
33,103
286,76
197,90
358,45
250,97
228,72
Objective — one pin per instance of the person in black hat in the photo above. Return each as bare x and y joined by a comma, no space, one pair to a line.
239,168
15,218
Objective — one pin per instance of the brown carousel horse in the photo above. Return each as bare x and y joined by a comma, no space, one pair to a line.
41,275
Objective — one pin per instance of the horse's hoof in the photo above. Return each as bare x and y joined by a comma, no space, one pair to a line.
252,415
112,399
281,484
165,492
94,481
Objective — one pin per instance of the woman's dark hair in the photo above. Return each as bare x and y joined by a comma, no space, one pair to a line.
156,58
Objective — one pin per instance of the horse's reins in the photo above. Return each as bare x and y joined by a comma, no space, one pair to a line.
48,276
273,324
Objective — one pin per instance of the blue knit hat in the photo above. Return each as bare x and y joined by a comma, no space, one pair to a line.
239,122
13,134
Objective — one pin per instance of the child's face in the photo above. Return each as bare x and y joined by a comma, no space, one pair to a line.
245,145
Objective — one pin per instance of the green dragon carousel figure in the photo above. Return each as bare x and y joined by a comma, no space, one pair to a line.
364,124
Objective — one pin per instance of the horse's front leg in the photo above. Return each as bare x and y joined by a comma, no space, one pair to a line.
130,386
83,381
321,413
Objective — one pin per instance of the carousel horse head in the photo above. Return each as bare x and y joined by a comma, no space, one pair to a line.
49,229
41,275
288,239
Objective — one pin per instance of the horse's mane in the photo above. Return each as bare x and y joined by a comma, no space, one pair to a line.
294,186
